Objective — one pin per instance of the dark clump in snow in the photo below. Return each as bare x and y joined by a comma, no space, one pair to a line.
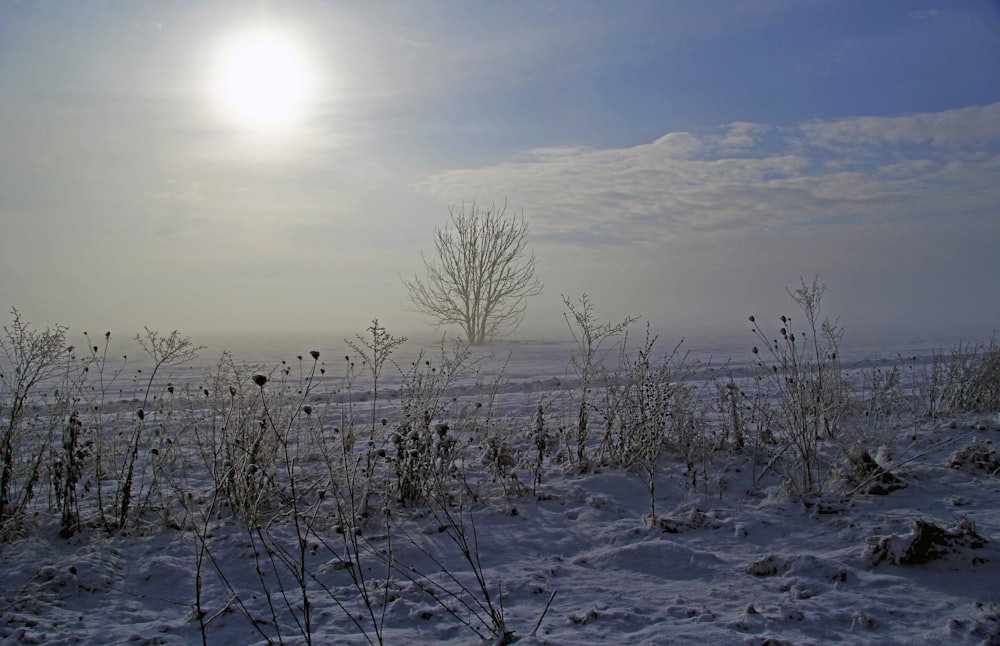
686,518
868,476
978,455
926,542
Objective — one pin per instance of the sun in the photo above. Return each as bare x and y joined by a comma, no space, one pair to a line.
262,79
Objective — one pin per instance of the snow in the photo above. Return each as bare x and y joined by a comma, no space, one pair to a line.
723,562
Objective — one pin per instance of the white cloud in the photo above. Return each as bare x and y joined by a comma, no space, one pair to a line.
741,135
971,126
746,177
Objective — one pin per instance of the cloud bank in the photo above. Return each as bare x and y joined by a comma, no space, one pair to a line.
750,177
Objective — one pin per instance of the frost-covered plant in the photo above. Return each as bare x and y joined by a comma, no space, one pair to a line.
101,418
429,386
869,430
165,352
352,476
880,402
745,415
731,407
423,451
540,441
803,375
375,350
647,405
590,335
502,441
31,360
966,380
979,378
689,434
280,504
472,603
635,406
234,444
422,459
66,465
300,491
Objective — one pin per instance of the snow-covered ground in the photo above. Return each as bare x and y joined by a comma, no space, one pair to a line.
573,560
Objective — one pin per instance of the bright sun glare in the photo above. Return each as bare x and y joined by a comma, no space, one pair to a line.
262,79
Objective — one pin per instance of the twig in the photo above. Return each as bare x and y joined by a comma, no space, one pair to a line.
545,610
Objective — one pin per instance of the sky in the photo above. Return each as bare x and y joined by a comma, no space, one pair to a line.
678,160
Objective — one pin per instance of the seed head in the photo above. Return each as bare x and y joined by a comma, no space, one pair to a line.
314,354
260,380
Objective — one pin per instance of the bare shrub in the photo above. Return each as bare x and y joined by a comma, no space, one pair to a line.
103,418
424,451
647,405
746,416
165,352
965,380
235,445
734,414
590,335
31,359
869,426
466,596
803,375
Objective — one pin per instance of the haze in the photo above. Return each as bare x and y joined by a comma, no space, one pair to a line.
684,161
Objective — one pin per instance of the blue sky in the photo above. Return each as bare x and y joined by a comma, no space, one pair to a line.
684,161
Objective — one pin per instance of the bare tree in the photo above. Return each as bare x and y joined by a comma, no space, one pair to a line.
482,275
